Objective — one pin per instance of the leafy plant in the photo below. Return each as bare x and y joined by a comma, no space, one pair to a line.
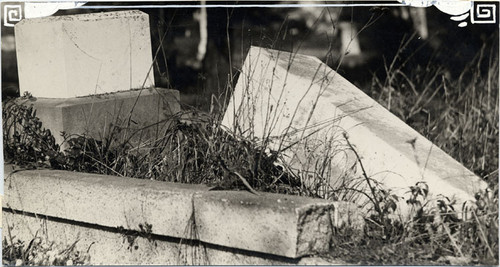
25,141
42,252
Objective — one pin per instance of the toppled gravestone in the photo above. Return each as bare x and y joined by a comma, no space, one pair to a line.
314,116
91,74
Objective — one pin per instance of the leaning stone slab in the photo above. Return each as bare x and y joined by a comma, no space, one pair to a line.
79,55
96,116
305,109
282,225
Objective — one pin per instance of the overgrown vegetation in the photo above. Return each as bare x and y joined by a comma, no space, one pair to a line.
40,251
190,151
460,116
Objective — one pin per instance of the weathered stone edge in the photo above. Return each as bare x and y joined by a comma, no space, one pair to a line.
302,226
109,201
277,224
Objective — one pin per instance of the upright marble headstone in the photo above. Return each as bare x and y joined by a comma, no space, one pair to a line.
307,110
80,55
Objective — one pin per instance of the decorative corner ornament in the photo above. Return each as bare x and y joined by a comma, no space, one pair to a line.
479,12
12,14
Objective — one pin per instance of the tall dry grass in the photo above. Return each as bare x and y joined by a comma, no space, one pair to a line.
460,116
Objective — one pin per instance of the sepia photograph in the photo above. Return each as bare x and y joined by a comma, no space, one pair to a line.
245,132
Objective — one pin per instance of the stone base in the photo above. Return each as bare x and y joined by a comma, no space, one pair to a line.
188,224
109,246
141,113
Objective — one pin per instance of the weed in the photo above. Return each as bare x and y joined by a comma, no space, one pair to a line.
25,142
190,151
145,231
190,249
460,116
42,252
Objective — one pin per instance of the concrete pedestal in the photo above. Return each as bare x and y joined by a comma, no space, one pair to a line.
141,113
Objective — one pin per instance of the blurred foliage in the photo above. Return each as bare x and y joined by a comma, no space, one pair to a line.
458,115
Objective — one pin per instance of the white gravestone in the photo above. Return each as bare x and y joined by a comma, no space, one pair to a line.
299,104
79,55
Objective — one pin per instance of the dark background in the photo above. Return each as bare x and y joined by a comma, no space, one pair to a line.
231,31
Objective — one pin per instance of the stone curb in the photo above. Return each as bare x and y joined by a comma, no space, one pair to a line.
102,200
282,225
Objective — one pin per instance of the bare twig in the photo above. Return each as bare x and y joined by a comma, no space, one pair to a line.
367,179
